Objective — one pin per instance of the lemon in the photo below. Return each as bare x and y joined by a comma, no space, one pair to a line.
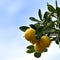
45,41
38,47
30,35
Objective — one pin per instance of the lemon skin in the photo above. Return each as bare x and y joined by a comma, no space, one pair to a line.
30,35
45,40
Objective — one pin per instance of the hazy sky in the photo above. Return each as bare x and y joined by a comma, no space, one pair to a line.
15,13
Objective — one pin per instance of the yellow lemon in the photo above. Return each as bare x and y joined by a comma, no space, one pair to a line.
45,41
30,35
38,47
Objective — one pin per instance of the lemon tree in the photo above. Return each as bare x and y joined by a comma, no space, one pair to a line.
41,34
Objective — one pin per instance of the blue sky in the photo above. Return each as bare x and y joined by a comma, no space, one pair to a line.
15,13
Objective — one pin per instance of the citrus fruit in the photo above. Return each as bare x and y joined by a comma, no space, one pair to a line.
45,41
30,35
38,47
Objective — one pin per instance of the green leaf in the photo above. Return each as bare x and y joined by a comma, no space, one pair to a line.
37,54
30,51
46,50
57,42
23,28
59,24
58,11
58,21
33,26
59,38
51,8
37,25
46,15
30,47
53,30
39,32
46,30
50,24
33,19
40,14
56,4
48,34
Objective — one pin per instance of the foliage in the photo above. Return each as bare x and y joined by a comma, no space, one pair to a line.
45,25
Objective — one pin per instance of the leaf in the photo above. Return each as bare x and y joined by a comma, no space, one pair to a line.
51,8
33,19
39,32
47,30
30,51
59,24
50,24
48,34
53,30
37,25
46,50
46,15
23,28
59,38
40,14
58,11
58,21
33,26
30,47
37,54
56,4
57,42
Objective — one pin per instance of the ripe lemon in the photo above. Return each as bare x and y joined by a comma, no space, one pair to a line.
30,35
45,41
38,47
